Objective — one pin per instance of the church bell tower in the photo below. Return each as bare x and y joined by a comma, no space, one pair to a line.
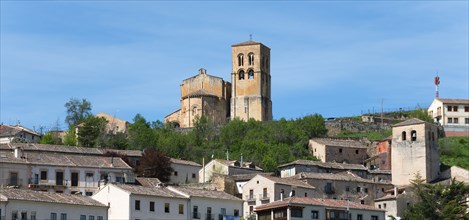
250,81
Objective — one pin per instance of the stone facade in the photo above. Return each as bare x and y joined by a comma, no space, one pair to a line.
414,150
338,150
248,96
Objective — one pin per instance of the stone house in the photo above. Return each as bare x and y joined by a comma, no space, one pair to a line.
382,159
114,124
395,202
414,150
299,166
184,172
452,114
314,208
28,204
247,96
17,134
345,185
338,150
226,167
263,189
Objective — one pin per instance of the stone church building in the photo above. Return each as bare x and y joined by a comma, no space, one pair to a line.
247,96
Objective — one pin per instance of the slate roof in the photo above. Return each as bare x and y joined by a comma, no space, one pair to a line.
69,160
185,162
342,176
340,166
211,194
339,142
329,203
8,131
453,101
148,191
412,121
289,181
38,196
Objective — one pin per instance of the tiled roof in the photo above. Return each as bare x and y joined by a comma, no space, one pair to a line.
339,142
200,92
68,149
231,163
342,176
38,196
340,166
249,176
8,131
185,162
250,42
211,194
454,101
329,203
290,181
412,121
70,160
148,191
148,182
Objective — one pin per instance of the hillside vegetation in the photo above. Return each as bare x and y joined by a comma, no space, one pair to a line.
455,151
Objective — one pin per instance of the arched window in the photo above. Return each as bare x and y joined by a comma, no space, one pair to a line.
404,136
251,74
413,135
241,75
194,110
240,59
251,59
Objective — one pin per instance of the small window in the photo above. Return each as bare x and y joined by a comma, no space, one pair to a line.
100,218
53,216
251,59
374,217
455,108
296,212
404,135
466,108
241,75
366,190
82,217
33,215
194,110
193,176
358,189
293,193
466,121
181,209
251,74
456,120
175,173
152,206
88,193
236,212
450,120
359,217
450,108
137,204
340,150
384,205
306,194
91,217
43,175
362,202
356,151
314,214
240,59
166,207
63,216
347,188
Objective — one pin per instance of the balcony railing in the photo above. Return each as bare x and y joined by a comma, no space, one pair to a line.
209,216
264,196
195,215
250,198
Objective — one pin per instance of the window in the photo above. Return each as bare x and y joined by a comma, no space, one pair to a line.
43,175
59,178
340,150
347,188
358,189
88,193
449,108
251,59
314,214
450,120
293,193
466,121
251,209
181,209
152,206
379,206
63,216
194,110
74,179
241,75
236,212
456,120
166,207
366,190
356,151
251,74
195,212
53,216
306,194
91,217
362,202
384,205
13,179
296,212
137,204
24,215
193,176
14,215
240,59
404,136
33,215
175,173
374,217
100,218
359,217
455,108
466,108
82,217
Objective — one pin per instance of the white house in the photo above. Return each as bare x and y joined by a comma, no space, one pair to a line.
296,208
263,189
184,171
17,134
226,167
452,114
140,202
28,204
210,204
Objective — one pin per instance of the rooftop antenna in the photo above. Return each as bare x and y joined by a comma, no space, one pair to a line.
250,37
437,83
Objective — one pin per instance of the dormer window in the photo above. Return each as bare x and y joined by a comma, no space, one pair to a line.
251,59
240,60
241,75
251,74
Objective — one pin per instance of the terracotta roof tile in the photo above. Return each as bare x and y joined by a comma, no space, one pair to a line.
412,121
30,195
341,166
342,176
245,43
211,194
454,101
330,203
290,181
148,182
185,162
339,142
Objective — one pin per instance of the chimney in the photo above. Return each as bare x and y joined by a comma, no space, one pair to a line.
18,153
241,164
202,71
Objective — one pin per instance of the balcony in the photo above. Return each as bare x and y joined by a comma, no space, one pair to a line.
250,198
264,196
329,189
209,216
195,215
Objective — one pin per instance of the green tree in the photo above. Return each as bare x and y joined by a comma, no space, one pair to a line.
90,130
77,111
421,114
437,201
50,138
70,139
114,141
154,163
141,135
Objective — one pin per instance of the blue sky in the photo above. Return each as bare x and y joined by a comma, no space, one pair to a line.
335,58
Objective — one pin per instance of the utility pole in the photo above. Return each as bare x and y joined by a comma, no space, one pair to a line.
382,113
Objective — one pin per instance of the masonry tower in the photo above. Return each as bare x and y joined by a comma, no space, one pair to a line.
250,79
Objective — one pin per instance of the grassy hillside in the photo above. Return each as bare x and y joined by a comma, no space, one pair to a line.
372,136
455,151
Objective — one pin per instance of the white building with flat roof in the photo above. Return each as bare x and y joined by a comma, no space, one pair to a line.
452,114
